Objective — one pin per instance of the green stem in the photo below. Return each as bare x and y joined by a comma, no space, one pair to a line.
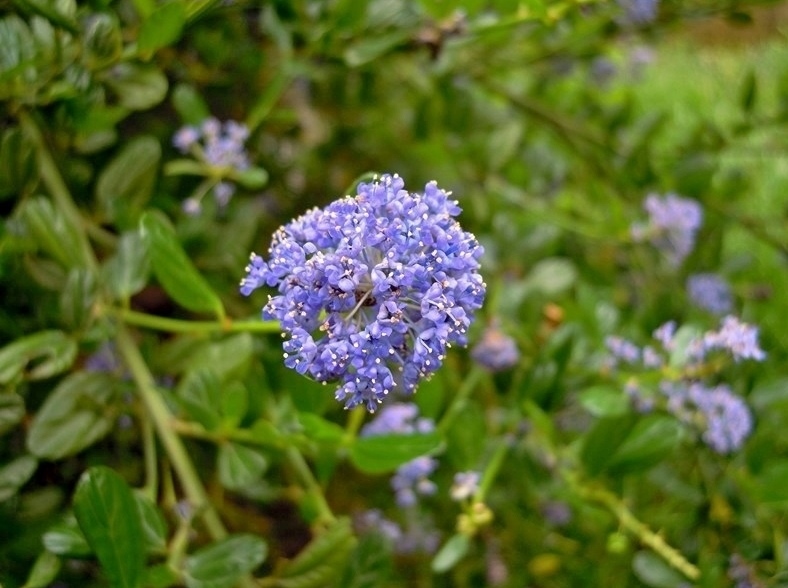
149,452
646,536
160,323
311,485
461,398
160,414
57,187
496,461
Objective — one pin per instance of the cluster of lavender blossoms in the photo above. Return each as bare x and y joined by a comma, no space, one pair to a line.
723,417
672,226
411,479
496,351
373,289
221,147
710,292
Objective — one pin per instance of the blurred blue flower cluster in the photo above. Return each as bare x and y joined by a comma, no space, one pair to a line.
373,289
710,292
672,225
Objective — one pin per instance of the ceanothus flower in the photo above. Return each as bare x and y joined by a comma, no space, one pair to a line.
372,289
672,226
710,292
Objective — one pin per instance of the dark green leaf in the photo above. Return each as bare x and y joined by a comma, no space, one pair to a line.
650,441
15,474
370,48
771,485
49,353
222,564
161,576
199,393
234,404
162,27
137,87
127,271
451,553
77,413
603,440
12,409
17,162
52,232
173,268
189,104
385,453
126,183
107,514
322,561
240,466
103,40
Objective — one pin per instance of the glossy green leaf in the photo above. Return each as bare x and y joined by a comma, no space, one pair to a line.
44,571
48,352
189,104
125,185
652,439
127,271
162,27
154,528
451,553
174,269
12,410
66,539
322,561
240,466
385,453
15,474
604,401
50,230
76,414
78,297
199,394
107,514
137,86
222,564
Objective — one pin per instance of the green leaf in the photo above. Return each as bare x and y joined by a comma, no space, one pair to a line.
125,185
127,271
551,276
370,48
17,162
227,357
103,40
48,352
107,514
650,441
234,404
603,440
771,485
370,563
51,231
162,27
451,553
385,453
161,576
44,571
749,92
320,430
189,104
240,466
222,564
174,270
66,539
322,561
137,87
254,178
653,571
77,413
78,297
15,474
154,529
12,410
604,401
199,394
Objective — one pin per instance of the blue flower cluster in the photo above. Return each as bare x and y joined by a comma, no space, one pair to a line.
411,479
373,289
639,12
722,417
496,350
221,147
672,226
710,292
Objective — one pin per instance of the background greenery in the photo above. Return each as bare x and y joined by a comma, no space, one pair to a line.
193,457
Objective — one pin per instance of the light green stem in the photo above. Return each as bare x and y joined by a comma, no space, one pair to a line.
298,463
461,398
640,530
160,323
158,411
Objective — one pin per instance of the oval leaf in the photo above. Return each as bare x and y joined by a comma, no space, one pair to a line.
385,453
174,269
50,353
221,565
14,475
240,466
107,514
